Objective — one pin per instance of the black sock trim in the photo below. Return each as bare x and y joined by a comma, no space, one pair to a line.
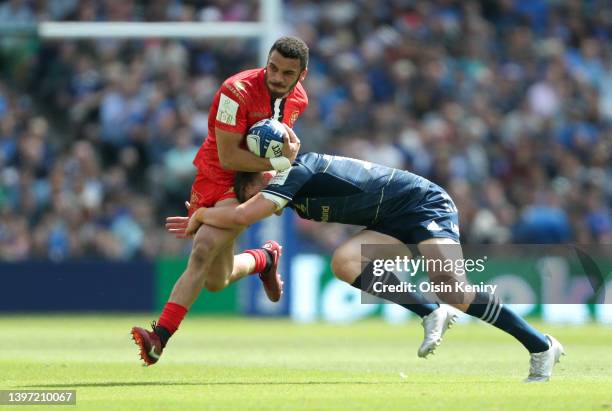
269,259
163,334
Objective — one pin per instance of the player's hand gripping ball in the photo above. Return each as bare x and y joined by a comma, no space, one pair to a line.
265,138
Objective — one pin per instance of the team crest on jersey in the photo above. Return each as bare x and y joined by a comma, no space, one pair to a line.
228,108
293,118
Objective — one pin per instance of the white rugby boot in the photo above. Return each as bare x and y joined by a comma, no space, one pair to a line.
541,364
434,326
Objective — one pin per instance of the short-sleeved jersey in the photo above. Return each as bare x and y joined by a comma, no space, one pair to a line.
241,101
329,188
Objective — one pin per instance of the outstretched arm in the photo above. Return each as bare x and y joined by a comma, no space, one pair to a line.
257,208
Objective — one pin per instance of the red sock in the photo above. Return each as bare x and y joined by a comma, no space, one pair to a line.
260,259
171,317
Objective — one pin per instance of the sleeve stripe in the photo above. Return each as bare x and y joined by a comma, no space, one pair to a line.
277,194
280,202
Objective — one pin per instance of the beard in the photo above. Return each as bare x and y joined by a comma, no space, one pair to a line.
279,94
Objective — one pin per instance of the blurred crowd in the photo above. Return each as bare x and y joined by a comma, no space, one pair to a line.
22,12
507,104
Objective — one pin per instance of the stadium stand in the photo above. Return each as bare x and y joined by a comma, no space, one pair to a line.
512,115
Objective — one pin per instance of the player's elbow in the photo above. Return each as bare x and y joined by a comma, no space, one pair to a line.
227,155
226,162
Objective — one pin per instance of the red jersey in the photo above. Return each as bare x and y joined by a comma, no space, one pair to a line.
241,101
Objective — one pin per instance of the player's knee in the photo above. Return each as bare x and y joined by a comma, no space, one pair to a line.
340,267
203,250
214,285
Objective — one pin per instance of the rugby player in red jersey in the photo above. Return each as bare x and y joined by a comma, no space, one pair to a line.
242,100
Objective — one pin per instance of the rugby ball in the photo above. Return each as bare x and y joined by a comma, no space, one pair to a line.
265,138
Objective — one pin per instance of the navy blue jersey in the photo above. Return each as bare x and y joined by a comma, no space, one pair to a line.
329,188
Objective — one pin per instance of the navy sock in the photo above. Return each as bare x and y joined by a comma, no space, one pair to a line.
489,308
411,301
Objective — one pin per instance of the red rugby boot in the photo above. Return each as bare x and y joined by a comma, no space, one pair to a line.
271,279
149,343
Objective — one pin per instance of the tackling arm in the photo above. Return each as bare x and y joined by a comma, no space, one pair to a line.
257,208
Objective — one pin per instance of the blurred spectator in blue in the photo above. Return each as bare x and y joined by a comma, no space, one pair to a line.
16,12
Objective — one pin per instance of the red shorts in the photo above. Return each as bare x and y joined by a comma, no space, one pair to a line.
206,192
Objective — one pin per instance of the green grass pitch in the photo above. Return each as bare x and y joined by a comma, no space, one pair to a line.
254,364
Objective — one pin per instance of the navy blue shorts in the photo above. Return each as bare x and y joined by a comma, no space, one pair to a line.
434,216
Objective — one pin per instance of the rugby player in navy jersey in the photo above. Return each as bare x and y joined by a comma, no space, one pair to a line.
396,207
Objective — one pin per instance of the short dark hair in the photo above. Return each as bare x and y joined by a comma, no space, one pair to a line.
292,48
241,180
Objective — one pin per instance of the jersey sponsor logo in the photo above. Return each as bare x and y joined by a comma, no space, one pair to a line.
228,108
280,177
325,213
